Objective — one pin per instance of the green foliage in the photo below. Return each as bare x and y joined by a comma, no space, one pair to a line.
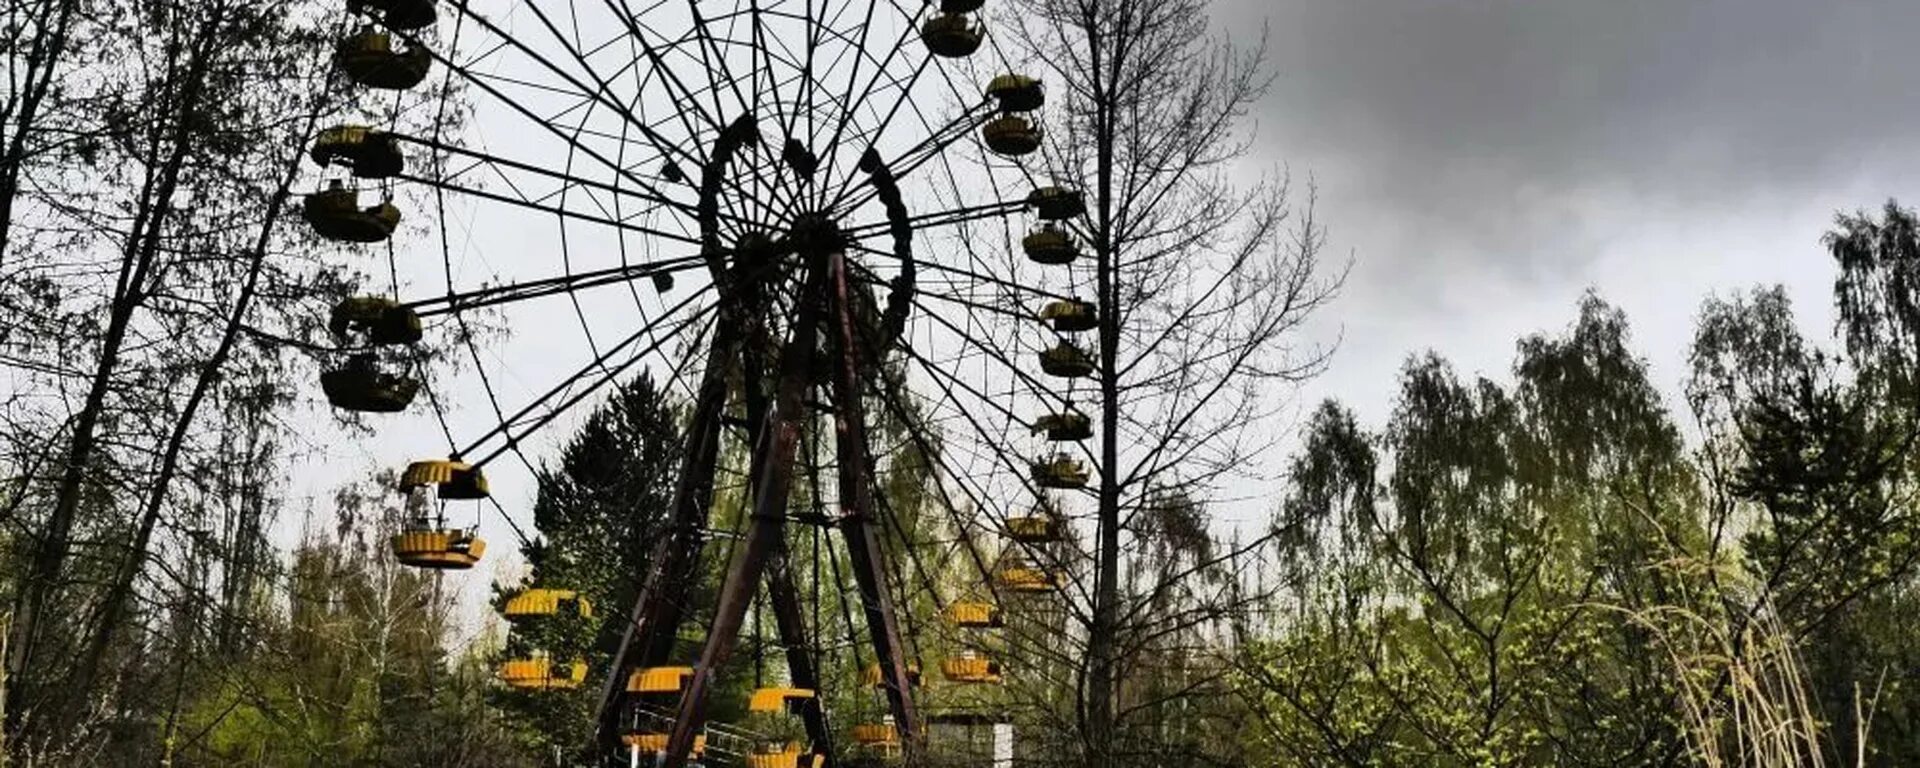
1548,573
346,666
598,513
1822,480
1447,574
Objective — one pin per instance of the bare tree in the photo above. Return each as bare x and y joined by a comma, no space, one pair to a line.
161,252
1201,286
37,45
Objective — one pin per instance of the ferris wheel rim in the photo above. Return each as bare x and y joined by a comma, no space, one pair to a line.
845,191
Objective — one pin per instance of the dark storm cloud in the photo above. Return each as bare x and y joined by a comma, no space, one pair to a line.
1486,160
1476,113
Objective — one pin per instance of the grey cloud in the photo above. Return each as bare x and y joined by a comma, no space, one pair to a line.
1486,160
1485,116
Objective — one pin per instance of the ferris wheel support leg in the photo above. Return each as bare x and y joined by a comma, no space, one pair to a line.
774,450
865,555
788,616
792,623
656,615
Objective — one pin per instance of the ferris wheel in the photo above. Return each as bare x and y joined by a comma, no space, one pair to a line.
811,217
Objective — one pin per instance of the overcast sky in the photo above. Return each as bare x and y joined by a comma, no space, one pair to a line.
1485,161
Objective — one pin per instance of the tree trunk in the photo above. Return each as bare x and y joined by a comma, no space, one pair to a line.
1106,589
143,244
113,605
37,79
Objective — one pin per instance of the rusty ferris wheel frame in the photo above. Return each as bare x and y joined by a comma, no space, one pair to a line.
777,233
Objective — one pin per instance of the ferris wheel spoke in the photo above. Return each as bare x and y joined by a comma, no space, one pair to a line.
557,210
980,498
1021,288
601,94
684,98
848,115
764,187
533,289
998,210
798,166
666,148
715,61
477,157
564,396
938,140
804,102
816,74
944,372
887,119
996,354
980,306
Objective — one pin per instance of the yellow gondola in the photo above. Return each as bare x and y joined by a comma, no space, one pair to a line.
1041,528
1057,203
1058,471
451,478
1020,577
335,214
778,751
538,603
362,386
778,699
951,35
1071,315
1011,135
422,546
398,14
872,677
1050,245
655,742
540,673
1067,426
973,614
1066,361
1017,93
970,667
655,680
782,755
876,734
371,154
368,59
382,320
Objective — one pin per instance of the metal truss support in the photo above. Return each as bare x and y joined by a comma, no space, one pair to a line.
774,450
865,555
658,607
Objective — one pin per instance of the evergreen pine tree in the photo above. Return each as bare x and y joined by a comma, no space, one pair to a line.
598,510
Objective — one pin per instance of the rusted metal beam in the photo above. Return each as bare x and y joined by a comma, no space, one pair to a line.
781,592
865,555
774,450
655,617
791,620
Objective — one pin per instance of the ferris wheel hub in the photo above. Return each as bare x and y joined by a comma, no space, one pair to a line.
816,234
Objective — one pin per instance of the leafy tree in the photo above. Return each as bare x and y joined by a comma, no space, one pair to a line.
1460,581
346,665
1814,473
1547,573
147,175
161,298
598,512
